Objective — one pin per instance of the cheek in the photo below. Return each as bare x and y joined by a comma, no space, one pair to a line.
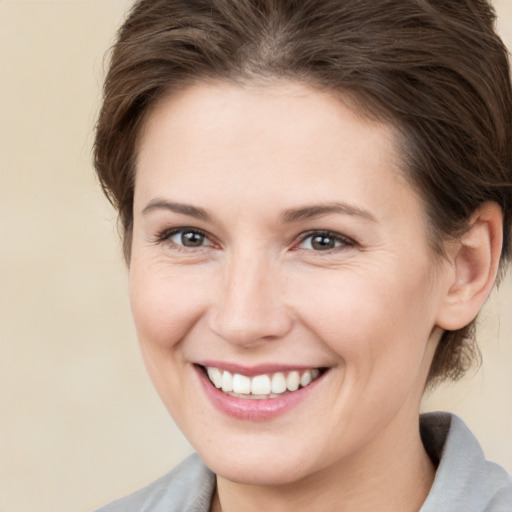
163,313
372,323
165,305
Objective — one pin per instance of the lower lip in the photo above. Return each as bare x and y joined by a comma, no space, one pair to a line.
254,409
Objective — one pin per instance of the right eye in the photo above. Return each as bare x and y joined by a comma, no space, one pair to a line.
185,237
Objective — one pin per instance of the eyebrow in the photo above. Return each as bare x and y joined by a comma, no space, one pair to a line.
288,216
184,209
312,211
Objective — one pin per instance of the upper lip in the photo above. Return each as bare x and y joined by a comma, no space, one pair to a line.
253,370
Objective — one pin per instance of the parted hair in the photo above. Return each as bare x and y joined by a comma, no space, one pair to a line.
434,69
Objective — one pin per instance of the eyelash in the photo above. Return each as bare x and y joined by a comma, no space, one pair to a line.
341,240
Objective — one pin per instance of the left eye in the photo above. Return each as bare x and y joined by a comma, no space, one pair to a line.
188,238
323,241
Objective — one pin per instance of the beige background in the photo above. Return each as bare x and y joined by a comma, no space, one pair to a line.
80,423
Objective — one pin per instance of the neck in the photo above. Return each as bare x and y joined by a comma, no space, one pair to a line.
394,473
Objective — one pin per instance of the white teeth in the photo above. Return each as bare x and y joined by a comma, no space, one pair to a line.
215,376
278,383
227,382
241,384
260,386
305,379
293,381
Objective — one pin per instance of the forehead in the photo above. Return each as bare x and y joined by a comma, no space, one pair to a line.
262,141
235,106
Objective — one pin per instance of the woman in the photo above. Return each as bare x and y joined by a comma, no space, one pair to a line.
316,200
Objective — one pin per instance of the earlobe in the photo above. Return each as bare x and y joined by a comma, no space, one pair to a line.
474,260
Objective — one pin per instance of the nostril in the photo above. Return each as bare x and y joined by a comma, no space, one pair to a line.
250,326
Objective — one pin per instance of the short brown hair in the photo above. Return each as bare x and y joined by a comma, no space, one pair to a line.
435,69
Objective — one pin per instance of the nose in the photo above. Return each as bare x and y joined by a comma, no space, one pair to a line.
250,309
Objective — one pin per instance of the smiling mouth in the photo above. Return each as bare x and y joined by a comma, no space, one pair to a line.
263,386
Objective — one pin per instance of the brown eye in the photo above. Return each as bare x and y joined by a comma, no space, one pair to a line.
189,238
324,241
192,239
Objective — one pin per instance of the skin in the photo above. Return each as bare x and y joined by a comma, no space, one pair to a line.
370,309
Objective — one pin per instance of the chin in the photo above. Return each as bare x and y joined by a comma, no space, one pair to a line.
269,473
259,466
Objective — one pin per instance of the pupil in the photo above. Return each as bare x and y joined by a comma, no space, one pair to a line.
192,239
322,242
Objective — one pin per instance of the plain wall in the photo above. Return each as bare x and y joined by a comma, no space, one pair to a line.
81,423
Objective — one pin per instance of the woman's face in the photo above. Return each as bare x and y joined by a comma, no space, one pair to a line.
276,242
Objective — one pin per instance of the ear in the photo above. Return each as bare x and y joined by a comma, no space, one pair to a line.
474,262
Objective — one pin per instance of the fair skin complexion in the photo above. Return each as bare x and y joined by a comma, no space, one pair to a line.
273,227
